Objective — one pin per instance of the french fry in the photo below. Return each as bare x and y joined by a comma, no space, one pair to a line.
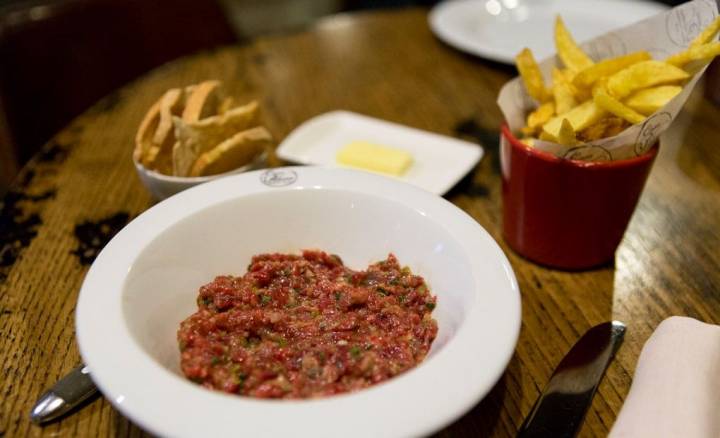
562,92
702,52
588,101
528,141
707,34
531,76
568,74
566,135
570,54
587,77
649,100
544,136
527,131
643,75
605,101
600,84
579,117
540,116
603,128
580,94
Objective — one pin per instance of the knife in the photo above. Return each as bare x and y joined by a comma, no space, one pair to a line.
561,408
68,393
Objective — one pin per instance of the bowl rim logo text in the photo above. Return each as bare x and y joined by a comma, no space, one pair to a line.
278,177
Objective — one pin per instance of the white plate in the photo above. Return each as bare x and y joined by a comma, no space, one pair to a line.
470,26
146,280
439,161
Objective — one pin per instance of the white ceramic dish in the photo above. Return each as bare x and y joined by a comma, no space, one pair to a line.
163,186
439,161
145,281
499,29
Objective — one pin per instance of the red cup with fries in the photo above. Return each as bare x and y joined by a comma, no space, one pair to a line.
576,154
564,213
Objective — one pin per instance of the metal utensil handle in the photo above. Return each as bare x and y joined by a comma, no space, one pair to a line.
66,394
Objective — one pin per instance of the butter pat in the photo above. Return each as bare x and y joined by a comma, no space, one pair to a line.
374,157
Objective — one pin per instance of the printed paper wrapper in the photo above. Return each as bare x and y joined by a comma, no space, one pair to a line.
662,35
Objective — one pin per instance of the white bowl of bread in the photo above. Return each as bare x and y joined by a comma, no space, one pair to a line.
195,134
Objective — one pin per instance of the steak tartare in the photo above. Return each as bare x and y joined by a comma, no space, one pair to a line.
304,326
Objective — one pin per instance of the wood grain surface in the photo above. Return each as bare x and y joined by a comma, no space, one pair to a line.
82,188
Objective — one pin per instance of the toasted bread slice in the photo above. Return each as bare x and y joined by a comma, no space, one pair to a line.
148,126
202,101
196,138
232,153
226,105
159,154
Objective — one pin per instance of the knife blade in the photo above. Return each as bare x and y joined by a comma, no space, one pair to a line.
68,393
561,408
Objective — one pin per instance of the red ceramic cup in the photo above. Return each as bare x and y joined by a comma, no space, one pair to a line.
566,213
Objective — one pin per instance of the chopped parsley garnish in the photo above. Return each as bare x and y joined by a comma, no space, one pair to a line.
264,299
355,351
430,306
382,291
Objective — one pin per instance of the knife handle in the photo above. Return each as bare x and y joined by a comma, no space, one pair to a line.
66,394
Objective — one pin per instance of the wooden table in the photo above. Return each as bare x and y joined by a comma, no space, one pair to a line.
82,188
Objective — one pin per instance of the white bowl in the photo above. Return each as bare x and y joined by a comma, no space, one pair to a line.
146,281
163,186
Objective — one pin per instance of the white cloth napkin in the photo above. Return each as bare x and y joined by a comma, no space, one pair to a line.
676,388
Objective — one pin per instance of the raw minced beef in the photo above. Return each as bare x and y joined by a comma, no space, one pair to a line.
302,326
